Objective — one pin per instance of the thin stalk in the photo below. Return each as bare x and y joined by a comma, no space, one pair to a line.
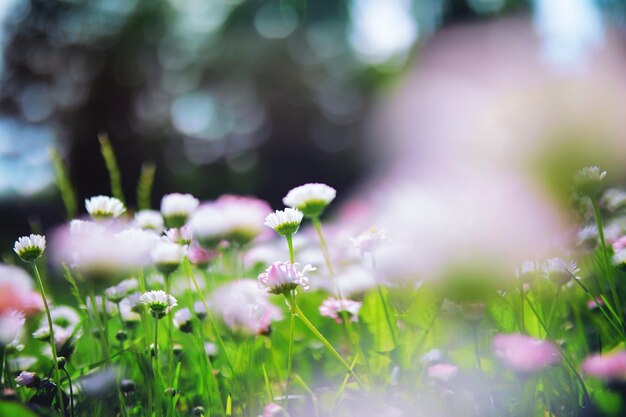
220,341
344,315
170,342
385,303
69,381
318,228
310,392
4,353
296,310
344,383
104,336
57,374
567,360
605,253
601,308
292,258
522,320
157,373
292,322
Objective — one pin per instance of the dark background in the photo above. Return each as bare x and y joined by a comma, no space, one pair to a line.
285,111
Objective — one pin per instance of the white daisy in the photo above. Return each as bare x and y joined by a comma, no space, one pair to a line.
311,199
167,256
159,302
559,270
117,292
103,207
369,240
284,222
30,247
180,235
282,277
176,208
149,219
588,181
183,320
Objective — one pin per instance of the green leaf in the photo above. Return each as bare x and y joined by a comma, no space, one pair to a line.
144,186
15,409
111,163
373,315
424,309
64,184
502,313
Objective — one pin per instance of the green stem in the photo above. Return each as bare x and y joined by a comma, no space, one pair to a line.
607,263
296,310
601,308
292,258
220,341
292,322
568,362
4,353
318,228
522,320
69,381
385,304
157,373
170,342
57,374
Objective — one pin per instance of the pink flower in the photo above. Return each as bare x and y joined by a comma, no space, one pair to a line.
442,372
244,308
274,410
199,256
593,304
523,353
281,277
16,291
609,366
333,308
619,244
236,219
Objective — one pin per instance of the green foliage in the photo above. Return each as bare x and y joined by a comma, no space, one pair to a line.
64,184
144,186
111,163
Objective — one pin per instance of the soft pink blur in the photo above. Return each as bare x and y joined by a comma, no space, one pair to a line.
610,366
523,353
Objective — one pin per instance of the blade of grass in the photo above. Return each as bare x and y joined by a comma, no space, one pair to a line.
144,186
111,163
64,185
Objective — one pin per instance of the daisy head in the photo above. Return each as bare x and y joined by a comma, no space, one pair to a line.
311,199
284,222
588,181
176,208
559,270
181,235
336,308
369,240
183,320
103,207
167,256
158,302
283,277
28,379
149,220
29,248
